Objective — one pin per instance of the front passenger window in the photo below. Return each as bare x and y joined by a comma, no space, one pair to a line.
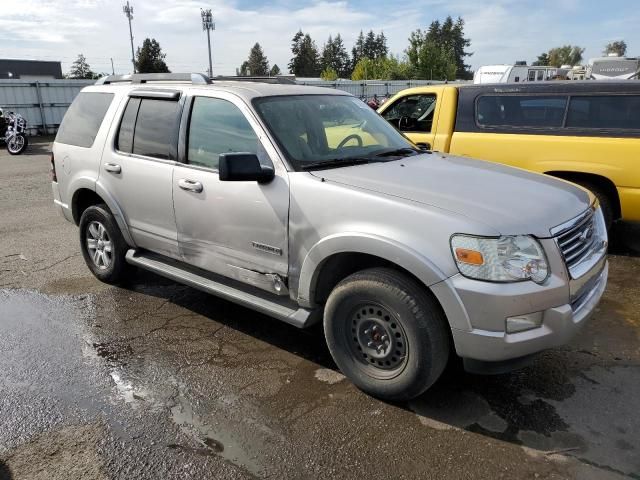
217,126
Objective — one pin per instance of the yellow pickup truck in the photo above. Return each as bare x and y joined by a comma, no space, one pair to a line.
585,132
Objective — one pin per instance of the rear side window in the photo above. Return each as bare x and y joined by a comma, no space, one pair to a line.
520,111
83,119
150,127
605,112
156,133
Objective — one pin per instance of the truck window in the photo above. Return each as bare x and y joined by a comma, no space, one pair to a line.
520,111
156,133
217,126
82,121
413,113
605,111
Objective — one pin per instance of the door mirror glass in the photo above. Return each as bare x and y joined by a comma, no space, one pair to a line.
243,167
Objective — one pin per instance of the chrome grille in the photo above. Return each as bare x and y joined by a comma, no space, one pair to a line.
583,242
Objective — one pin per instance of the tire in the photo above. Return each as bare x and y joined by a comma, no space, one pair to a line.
102,244
18,146
416,350
606,204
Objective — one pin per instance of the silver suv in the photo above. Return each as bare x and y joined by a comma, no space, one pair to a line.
303,204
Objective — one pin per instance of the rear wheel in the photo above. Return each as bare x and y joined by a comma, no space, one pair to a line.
102,244
386,333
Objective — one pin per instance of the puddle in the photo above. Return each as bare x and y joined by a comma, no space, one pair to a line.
218,441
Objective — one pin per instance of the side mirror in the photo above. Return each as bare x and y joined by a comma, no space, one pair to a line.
243,167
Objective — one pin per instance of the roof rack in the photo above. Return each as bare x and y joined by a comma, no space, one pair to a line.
193,78
276,80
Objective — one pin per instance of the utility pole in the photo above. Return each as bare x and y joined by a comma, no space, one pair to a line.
113,72
128,11
208,25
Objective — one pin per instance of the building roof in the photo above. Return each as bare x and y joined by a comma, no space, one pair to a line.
18,68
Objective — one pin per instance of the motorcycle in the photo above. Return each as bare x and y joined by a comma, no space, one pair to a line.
14,126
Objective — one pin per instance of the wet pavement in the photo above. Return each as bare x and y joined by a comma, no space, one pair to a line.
157,380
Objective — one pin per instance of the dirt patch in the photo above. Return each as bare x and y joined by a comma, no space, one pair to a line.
68,453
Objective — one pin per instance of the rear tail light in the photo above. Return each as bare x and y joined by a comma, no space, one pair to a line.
52,170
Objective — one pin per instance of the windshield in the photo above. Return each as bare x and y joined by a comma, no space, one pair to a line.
324,131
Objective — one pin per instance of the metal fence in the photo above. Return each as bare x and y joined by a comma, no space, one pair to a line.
41,103
44,103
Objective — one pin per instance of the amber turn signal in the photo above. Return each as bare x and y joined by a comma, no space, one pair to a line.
469,256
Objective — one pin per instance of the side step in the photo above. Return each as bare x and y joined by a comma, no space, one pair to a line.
263,302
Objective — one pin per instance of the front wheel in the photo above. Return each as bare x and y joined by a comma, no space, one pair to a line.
386,333
17,144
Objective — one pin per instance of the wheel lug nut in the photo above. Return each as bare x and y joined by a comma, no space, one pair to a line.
384,338
367,331
370,344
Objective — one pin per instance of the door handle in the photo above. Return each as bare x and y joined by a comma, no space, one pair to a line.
112,167
190,185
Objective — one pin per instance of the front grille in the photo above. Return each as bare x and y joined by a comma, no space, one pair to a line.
578,241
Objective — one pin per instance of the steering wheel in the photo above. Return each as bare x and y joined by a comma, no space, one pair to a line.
350,137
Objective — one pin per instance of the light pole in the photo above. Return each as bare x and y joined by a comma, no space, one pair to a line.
207,24
128,11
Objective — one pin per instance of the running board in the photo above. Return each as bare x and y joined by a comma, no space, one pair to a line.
280,308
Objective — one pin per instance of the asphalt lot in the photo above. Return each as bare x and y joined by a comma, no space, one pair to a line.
157,380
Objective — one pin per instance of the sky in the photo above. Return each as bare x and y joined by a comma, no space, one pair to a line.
501,31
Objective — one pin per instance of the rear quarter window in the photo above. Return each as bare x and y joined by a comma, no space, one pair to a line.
82,121
604,112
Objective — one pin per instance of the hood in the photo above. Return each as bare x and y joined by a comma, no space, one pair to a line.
510,200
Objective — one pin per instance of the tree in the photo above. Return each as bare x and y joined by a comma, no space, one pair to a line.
335,57
431,53
565,55
385,68
305,61
357,52
275,70
80,69
542,61
329,74
150,59
256,65
618,47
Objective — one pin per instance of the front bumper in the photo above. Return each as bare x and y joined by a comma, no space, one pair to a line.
559,323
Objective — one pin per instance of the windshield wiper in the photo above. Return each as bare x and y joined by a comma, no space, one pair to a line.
335,162
396,152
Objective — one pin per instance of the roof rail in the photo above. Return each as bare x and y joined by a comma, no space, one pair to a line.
278,79
193,78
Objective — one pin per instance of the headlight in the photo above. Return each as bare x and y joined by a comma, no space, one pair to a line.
504,259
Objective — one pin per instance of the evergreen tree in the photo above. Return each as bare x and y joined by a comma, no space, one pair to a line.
80,69
275,70
370,45
430,53
150,59
334,57
357,52
257,65
381,49
305,61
